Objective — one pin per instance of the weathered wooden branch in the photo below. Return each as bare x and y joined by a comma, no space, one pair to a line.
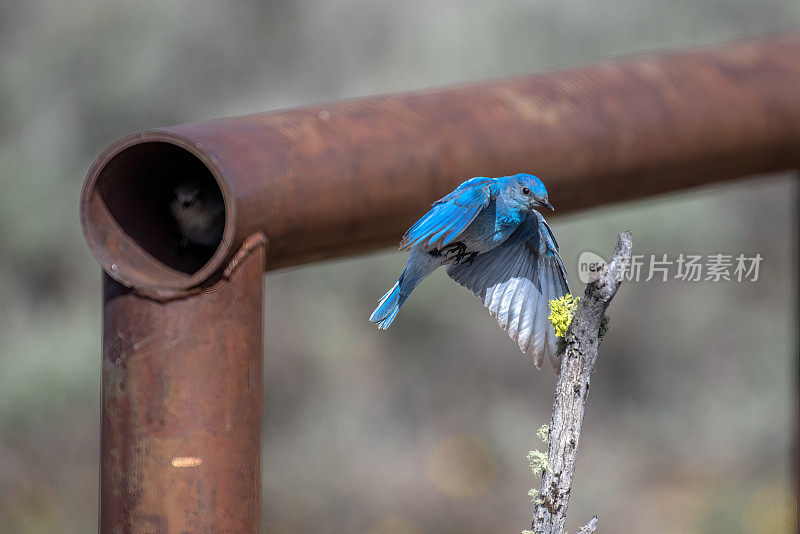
572,389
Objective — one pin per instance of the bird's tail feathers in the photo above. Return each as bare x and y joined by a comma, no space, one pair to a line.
388,306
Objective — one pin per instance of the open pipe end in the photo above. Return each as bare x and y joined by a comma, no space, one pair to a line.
127,212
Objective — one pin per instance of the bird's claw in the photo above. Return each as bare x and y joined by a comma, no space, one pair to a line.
467,257
460,253
459,248
471,258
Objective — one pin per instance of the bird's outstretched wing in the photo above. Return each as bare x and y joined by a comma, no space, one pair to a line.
516,281
451,214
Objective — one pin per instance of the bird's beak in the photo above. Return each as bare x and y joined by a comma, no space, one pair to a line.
546,204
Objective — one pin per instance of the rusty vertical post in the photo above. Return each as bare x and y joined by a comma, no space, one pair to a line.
796,439
181,406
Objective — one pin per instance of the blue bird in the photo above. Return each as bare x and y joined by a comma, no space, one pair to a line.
494,243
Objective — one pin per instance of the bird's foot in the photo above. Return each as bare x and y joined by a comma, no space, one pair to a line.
458,249
461,254
467,257
471,258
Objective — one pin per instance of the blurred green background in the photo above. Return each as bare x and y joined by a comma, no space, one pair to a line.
424,428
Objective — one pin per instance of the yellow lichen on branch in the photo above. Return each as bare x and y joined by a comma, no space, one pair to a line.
561,312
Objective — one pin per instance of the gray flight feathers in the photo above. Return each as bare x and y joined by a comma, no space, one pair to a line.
516,281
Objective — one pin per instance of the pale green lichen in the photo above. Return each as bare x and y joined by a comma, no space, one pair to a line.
534,495
543,434
538,462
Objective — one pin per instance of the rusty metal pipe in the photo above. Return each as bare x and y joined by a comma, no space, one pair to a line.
181,406
182,350
338,179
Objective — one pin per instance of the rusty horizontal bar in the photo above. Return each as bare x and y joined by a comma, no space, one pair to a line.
181,407
344,178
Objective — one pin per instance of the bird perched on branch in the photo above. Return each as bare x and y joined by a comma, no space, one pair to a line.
199,213
494,243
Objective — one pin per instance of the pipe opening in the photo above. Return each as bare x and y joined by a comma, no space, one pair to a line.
155,215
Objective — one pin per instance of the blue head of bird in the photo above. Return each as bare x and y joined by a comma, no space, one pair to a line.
529,191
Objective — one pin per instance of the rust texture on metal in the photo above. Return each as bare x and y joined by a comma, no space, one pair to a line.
181,406
348,177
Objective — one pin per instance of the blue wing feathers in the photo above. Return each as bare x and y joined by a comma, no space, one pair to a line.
460,220
451,214
472,196
473,184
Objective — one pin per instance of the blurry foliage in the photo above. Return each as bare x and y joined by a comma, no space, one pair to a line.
690,417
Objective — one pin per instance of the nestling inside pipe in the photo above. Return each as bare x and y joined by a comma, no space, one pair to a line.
159,199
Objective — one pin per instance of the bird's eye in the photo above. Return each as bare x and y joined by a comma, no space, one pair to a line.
526,191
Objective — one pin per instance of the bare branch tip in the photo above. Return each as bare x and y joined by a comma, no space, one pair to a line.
590,527
624,243
621,257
